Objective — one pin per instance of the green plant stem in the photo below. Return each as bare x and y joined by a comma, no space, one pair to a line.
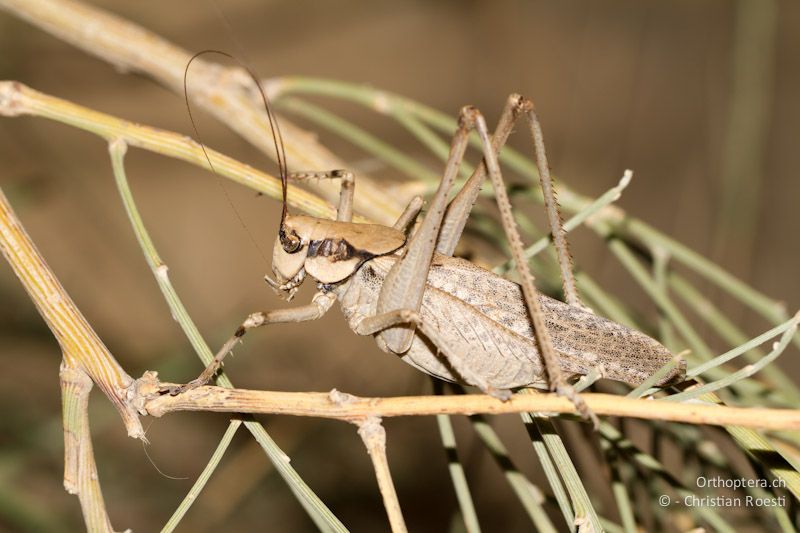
584,510
618,488
588,379
527,494
743,348
645,386
603,200
660,275
549,468
203,478
745,372
626,447
607,304
456,469
359,137
319,513
625,256
699,347
703,307
746,135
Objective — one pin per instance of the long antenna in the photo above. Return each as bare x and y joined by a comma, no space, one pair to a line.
277,137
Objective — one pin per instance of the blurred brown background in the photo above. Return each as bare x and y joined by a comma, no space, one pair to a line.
698,98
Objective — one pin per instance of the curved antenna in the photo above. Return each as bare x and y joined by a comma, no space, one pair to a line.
277,137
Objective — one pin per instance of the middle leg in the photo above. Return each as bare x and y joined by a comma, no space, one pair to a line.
345,210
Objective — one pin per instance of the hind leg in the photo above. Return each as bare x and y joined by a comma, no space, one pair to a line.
550,357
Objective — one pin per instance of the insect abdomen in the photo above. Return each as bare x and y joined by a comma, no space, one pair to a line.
582,339
485,318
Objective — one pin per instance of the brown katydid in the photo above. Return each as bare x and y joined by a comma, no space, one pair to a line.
441,314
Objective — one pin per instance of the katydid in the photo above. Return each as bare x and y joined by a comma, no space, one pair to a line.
443,315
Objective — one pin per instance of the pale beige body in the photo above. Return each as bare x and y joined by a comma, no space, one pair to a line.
485,318
443,315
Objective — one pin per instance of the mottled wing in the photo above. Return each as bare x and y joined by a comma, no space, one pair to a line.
582,339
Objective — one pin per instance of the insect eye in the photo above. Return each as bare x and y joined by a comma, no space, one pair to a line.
291,243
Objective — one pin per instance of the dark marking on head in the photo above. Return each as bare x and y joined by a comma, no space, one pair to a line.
337,250
342,252
326,248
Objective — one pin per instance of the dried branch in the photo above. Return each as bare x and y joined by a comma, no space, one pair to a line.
374,436
80,469
322,405
227,93
318,512
82,349
17,99
85,360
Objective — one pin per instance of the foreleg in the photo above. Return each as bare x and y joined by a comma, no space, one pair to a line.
320,304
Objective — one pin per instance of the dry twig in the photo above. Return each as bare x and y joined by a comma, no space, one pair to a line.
319,404
374,436
223,91
85,360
